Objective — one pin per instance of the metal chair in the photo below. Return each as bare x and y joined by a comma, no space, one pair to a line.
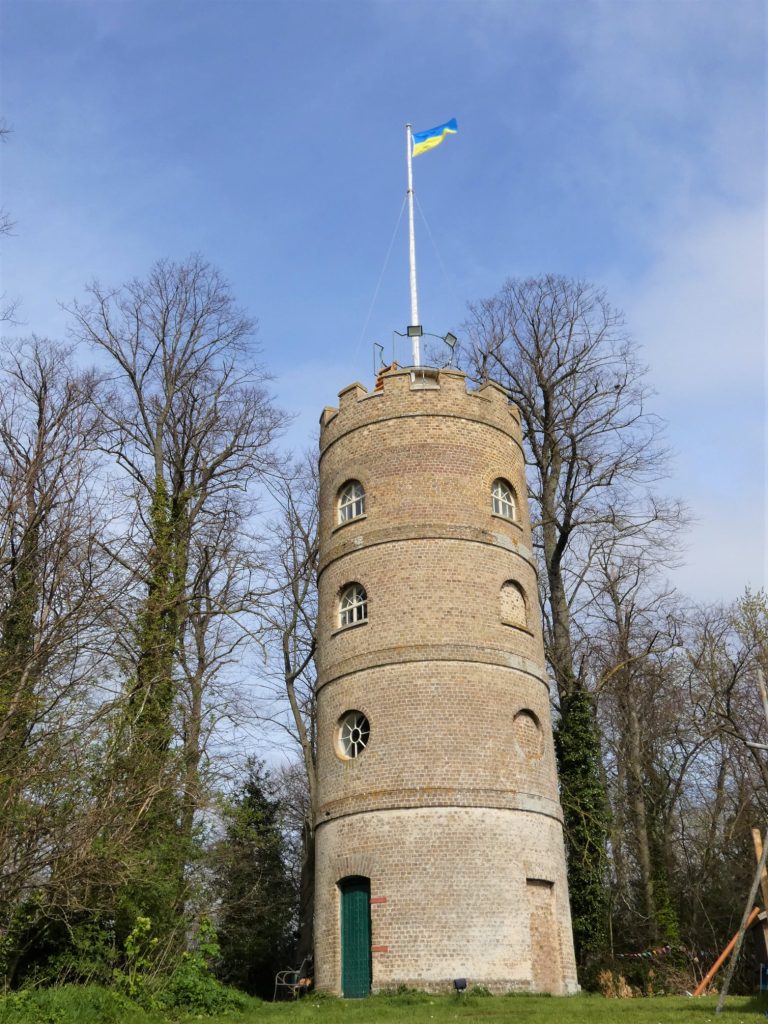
294,981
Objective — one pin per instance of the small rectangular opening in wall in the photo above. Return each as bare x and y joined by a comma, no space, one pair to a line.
425,378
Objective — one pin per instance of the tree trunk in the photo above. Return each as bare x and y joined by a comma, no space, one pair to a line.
585,810
306,942
636,801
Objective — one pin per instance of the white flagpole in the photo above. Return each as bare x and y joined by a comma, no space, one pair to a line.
412,245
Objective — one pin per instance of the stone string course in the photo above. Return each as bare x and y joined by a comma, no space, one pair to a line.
452,810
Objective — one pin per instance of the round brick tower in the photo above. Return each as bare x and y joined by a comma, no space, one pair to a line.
439,831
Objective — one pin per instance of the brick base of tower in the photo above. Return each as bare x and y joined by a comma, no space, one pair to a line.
500,919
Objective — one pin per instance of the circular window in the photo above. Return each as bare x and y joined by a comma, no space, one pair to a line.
354,732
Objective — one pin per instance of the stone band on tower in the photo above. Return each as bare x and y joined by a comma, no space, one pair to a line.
439,841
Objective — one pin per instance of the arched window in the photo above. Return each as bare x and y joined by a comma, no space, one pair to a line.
351,501
353,605
353,733
513,608
503,500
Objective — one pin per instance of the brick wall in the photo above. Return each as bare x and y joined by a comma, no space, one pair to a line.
449,889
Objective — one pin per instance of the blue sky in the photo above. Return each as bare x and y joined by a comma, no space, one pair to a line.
621,141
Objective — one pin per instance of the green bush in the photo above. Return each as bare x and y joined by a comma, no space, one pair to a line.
479,990
137,979
189,986
72,1004
87,958
196,991
401,990
192,985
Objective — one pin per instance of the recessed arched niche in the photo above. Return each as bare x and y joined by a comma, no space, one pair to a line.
528,735
514,610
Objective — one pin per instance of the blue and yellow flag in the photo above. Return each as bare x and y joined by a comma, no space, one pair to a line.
422,141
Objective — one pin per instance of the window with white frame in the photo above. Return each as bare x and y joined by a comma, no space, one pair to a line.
353,734
353,605
351,501
503,499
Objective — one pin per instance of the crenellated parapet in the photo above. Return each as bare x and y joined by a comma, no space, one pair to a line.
420,391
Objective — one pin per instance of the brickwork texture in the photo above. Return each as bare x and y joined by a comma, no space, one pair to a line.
452,809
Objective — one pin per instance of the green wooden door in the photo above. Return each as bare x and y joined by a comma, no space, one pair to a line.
355,937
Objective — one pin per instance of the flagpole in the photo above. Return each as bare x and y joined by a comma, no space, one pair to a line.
412,245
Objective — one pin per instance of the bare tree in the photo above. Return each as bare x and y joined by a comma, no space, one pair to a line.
190,424
53,646
592,449
726,648
726,792
222,563
648,744
287,616
46,539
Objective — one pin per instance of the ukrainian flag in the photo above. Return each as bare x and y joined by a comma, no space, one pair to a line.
422,141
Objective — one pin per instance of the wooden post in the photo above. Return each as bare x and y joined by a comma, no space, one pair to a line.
749,913
757,840
704,983
763,691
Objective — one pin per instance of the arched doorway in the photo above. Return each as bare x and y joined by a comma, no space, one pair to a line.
355,936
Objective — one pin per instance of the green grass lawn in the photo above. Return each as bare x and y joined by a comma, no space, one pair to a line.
98,1006
511,1010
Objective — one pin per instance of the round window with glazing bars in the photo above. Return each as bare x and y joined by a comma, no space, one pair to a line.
354,733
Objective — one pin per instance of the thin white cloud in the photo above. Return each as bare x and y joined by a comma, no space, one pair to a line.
700,314
729,549
700,309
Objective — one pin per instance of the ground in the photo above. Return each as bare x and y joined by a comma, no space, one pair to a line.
97,1006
